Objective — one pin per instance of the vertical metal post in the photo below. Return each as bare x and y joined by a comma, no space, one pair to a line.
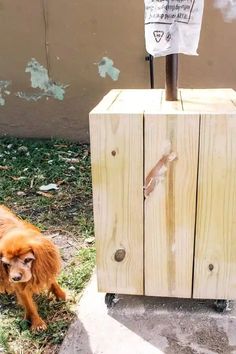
151,71
151,67
172,77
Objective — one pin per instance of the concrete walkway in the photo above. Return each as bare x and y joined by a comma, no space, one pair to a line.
147,325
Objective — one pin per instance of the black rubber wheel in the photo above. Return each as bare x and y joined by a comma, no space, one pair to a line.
221,305
109,300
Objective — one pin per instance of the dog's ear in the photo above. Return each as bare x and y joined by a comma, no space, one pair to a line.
1,268
47,260
3,276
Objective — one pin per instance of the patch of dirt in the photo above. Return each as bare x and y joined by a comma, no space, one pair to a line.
214,339
176,348
66,244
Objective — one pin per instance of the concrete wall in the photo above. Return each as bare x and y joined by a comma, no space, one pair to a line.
69,38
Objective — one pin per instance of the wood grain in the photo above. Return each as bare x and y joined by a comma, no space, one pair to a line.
106,103
117,174
216,212
136,101
206,101
170,208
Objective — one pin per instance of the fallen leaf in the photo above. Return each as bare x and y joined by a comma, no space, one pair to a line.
22,149
48,187
61,145
60,182
90,239
39,176
32,183
7,198
17,178
47,195
20,194
70,160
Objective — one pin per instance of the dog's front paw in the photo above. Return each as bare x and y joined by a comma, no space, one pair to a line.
37,324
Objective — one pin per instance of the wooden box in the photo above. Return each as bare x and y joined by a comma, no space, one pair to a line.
164,192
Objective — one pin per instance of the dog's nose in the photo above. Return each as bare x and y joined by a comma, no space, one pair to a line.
17,277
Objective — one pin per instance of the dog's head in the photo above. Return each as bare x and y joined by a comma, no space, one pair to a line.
25,255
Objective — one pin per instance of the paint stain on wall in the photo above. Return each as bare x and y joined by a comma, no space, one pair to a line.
228,9
40,80
105,67
4,91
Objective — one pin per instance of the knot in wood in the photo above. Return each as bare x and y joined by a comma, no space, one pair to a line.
211,267
120,255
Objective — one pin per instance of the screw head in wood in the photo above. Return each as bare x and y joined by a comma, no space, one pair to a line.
120,255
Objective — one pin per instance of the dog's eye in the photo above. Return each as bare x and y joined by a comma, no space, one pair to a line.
6,265
27,260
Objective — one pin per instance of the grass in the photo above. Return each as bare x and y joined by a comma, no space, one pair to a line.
65,214
78,272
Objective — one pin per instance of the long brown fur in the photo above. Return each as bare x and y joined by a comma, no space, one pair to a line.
18,238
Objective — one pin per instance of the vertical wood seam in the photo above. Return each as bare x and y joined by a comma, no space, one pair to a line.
196,206
144,177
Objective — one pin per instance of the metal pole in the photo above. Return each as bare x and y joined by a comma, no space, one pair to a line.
151,72
151,67
172,77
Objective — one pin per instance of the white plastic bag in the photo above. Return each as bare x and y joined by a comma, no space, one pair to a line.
172,26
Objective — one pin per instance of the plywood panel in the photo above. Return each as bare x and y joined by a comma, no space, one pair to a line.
117,172
170,208
216,213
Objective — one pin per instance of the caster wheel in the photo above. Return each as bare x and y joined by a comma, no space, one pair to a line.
221,305
110,300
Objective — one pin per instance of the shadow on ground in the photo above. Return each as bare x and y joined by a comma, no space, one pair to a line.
176,326
76,336
149,325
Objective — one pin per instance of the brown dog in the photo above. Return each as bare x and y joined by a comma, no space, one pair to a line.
29,263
